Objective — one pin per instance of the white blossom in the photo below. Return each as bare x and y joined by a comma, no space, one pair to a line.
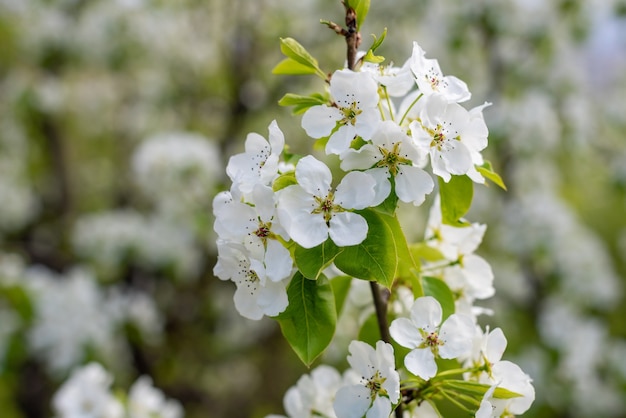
311,210
391,154
354,111
378,384
87,394
429,338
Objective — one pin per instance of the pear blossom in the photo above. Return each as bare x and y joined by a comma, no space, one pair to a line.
146,401
468,275
451,135
428,337
391,154
378,387
256,295
311,210
87,393
254,225
510,376
397,81
430,79
487,350
259,163
313,394
354,111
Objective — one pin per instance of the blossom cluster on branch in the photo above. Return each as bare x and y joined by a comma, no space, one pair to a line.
292,239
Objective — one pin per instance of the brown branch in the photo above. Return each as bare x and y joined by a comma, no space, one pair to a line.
353,37
381,297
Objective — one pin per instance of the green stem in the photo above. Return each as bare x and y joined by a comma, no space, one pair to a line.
410,107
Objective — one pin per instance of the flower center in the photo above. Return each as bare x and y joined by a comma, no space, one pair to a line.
350,113
264,230
392,158
375,385
326,206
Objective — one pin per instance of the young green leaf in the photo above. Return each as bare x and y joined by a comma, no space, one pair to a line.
289,66
487,171
309,321
284,180
292,49
456,199
476,389
312,261
302,103
376,258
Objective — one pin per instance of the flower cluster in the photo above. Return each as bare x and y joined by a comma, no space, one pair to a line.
87,392
285,214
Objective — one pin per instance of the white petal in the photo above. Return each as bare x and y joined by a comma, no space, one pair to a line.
457,158
413,184
246,303
355,191
426,313
293,202
367,123
457,333
383,185
479,276
339,142
456,90
319,121
294,212
263,199
404,331
496,344
348,87
278,263
514,379
347,228
421,362
272,298
313,176
352,401
381,408
276,138
309,230
364,157
362,357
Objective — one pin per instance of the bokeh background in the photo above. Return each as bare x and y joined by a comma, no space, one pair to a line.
117,118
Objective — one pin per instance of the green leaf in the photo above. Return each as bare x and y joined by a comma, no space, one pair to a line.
370,57
378,41
302,103
309,321
438,289
341,287
487,171
477,390
289,66
312,261
292,49
456,199
376,258
284,180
